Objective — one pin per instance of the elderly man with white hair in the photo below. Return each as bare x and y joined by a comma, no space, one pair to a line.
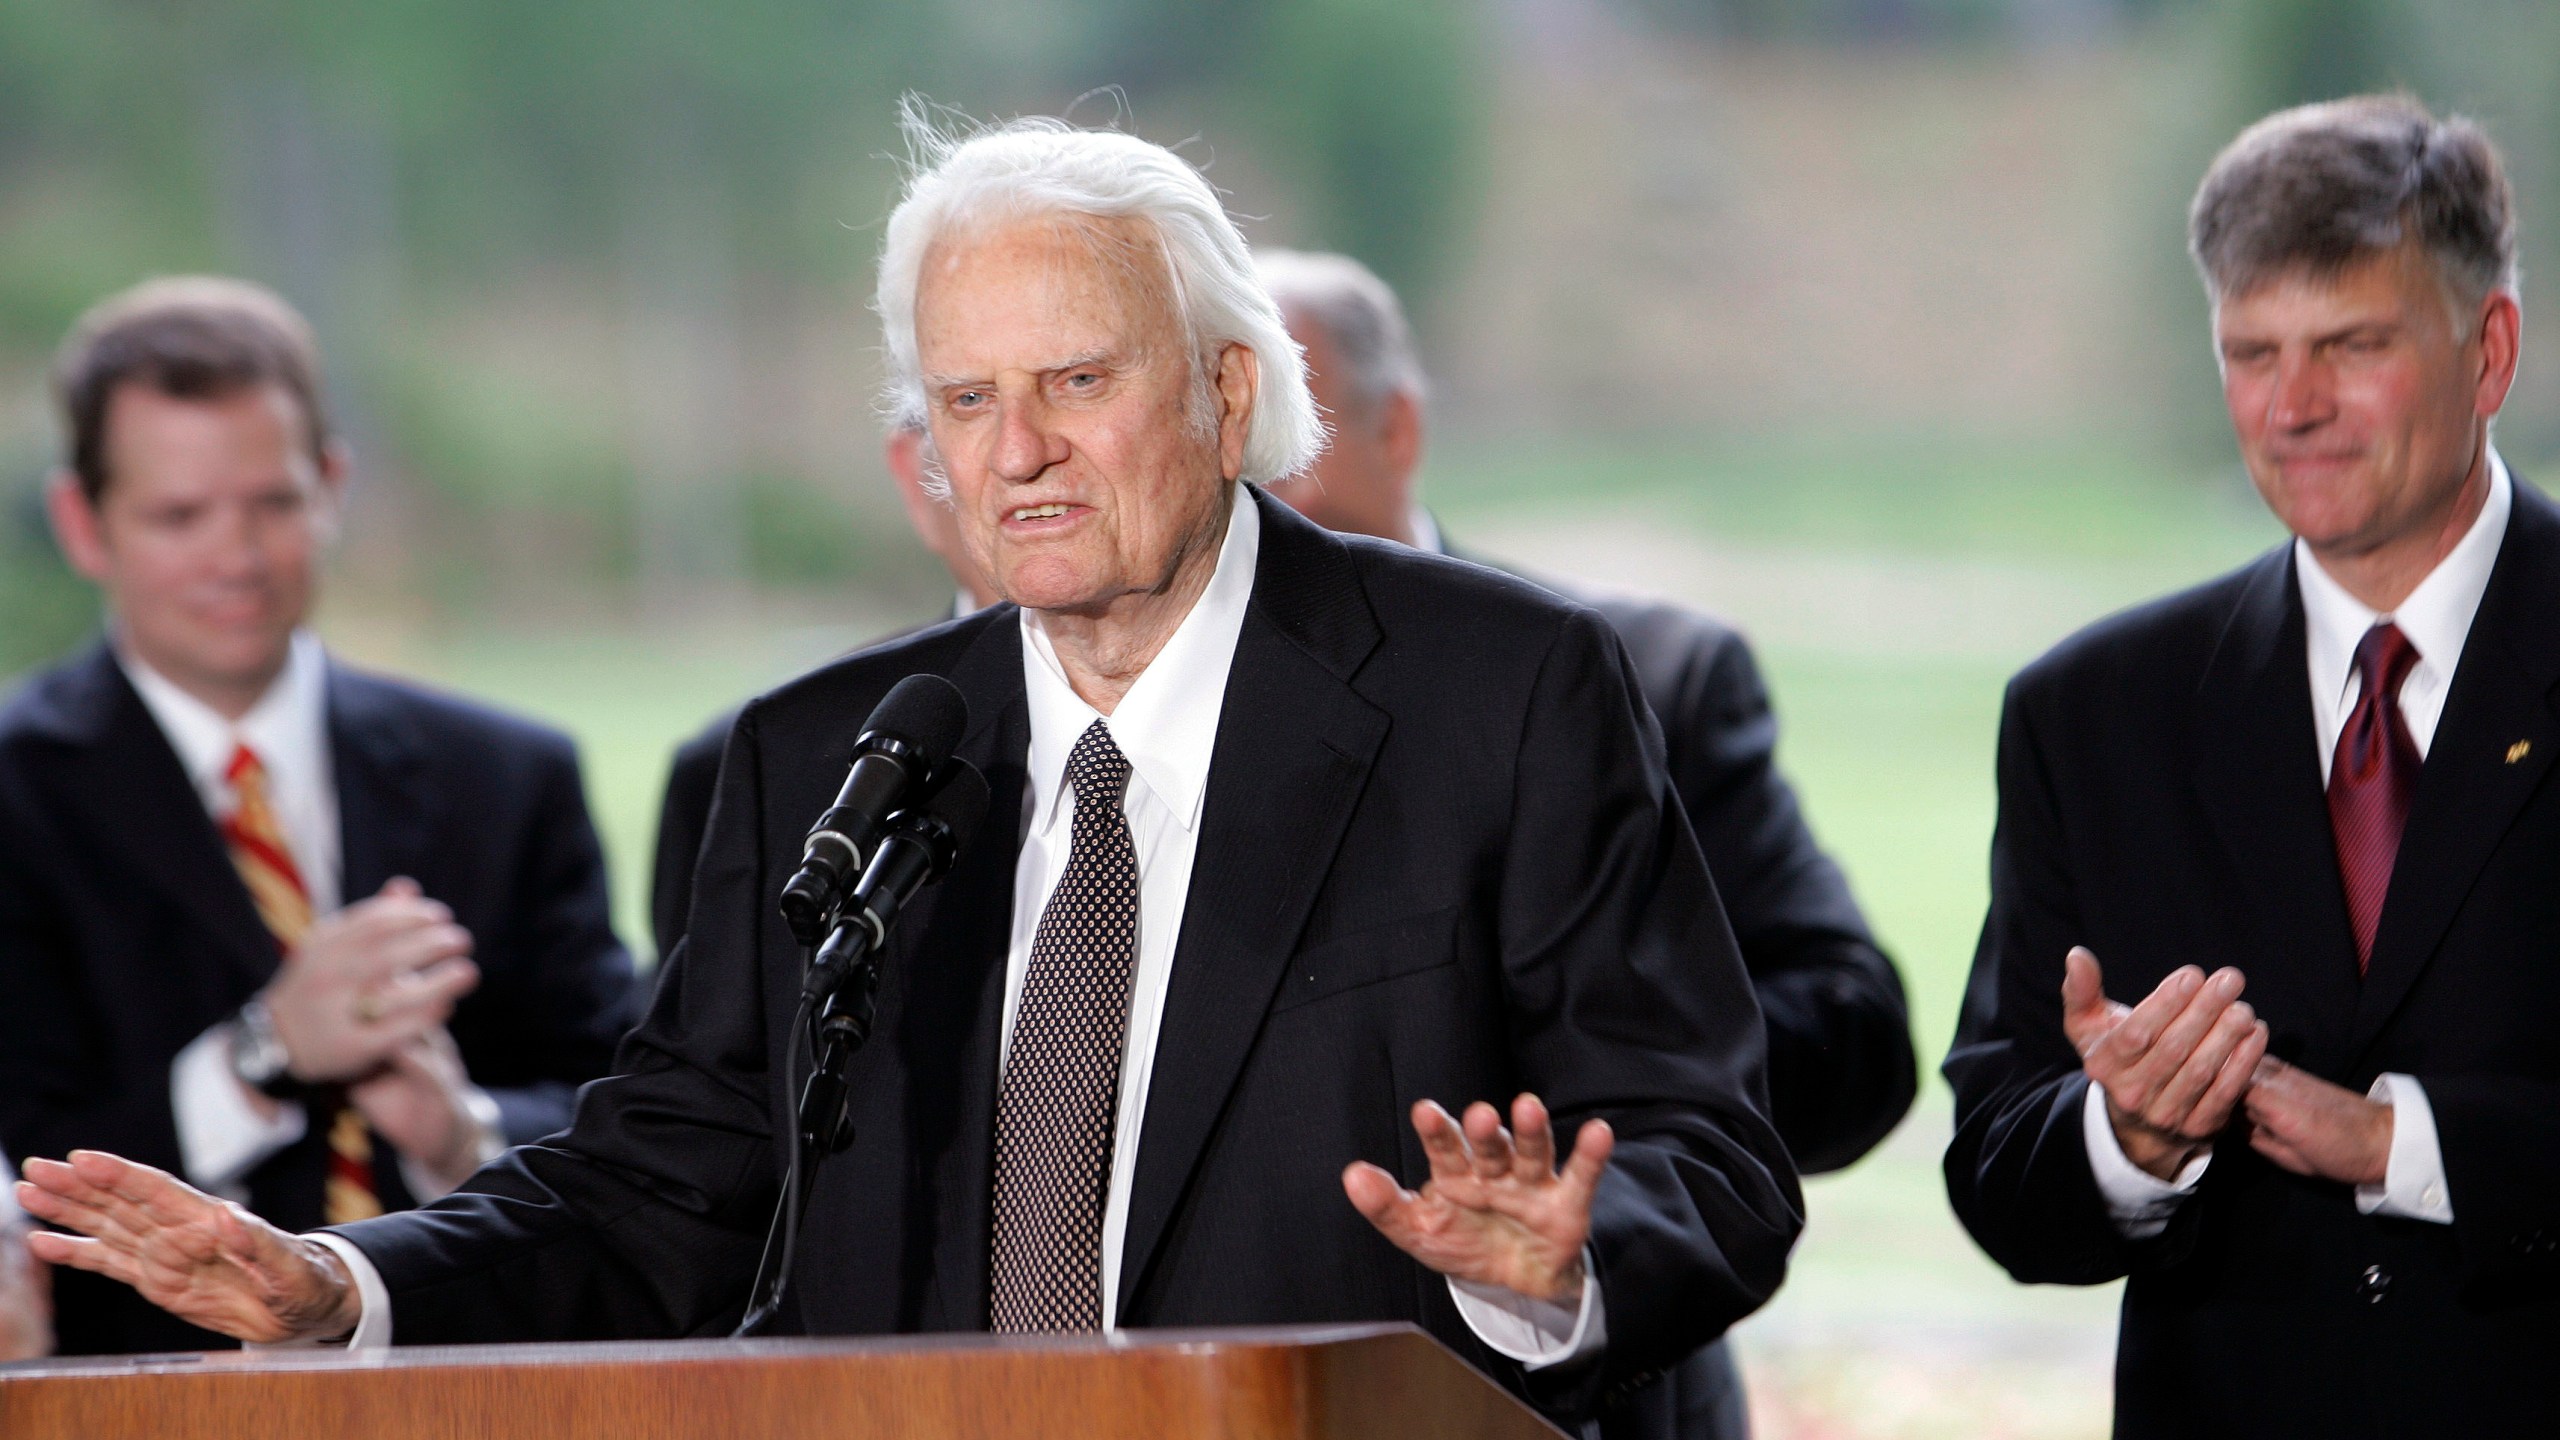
1316,869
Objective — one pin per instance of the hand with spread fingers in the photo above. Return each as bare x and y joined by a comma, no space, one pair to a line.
209,1262
1497,1210
2312,1127
368,980
2174,1067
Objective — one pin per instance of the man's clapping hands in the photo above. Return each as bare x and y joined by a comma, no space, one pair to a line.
2176,1067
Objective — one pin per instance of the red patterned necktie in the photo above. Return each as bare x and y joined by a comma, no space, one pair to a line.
258,851
2371,779
1057,1107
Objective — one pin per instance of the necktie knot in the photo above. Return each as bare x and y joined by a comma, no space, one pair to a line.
245,768
2384,658
1097,767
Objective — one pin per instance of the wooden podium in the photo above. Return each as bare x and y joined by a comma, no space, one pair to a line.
1279,1384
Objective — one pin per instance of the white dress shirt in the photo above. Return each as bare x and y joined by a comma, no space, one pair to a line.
2437,619
222,1133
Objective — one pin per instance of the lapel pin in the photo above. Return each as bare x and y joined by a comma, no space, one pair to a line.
2519,750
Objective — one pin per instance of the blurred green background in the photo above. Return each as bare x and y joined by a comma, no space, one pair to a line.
1864,322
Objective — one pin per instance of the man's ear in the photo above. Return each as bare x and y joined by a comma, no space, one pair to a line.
337,462
1239,385
1400,434
2501,328
76,527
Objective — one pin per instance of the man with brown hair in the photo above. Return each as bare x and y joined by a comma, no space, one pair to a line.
319,941
2322,779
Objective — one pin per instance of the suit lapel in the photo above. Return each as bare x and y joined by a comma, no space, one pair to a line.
2470,790
385,804
139,802
1294,747
2258,778
952,967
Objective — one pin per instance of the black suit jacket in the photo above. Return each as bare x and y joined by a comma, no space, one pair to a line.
125,933
2161,802
1439,857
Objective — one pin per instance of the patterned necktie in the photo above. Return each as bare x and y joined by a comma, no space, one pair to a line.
259,853
2371,778
1058,1105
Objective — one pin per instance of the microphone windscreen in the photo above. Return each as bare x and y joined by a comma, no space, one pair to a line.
925,711
961,802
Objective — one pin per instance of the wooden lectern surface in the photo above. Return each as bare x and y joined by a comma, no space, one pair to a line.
1310,1383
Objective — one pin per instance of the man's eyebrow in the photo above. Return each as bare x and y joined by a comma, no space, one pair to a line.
1103,357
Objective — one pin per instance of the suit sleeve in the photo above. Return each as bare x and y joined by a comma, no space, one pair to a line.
62,1084
1630,1003
683,815
2500,1140
644,1218
1842,1071
573,995
2017,1169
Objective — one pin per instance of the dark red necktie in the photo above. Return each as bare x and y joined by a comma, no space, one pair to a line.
2370,781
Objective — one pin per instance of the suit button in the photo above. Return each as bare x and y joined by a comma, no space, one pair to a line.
2375,1285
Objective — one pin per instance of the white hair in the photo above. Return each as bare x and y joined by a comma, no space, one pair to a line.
1358,312
1023,169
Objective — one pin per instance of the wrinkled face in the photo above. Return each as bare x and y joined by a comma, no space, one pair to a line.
1060,393
206,538
2358,404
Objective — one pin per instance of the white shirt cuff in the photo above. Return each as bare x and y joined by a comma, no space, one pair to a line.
2139,1202
221,1135
2413,1185
427,1188
1537,1333
373,1302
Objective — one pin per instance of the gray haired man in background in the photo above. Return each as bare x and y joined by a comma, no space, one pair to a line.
1841,1069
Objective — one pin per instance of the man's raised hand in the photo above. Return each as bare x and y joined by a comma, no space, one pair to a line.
2173,1067
1496,1210
206,1261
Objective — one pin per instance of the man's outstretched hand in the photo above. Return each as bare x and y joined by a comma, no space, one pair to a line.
1496,1210
206,1261
2173,1067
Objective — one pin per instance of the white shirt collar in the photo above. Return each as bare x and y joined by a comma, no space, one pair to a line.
2437,615
1426,532
288,727
1168,722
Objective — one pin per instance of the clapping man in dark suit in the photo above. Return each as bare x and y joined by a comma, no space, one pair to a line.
1841,1067
316,940
1334,949
2323,783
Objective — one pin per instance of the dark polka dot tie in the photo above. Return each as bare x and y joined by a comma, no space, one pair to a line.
1058,1105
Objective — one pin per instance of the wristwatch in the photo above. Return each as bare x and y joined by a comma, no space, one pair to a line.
258,1057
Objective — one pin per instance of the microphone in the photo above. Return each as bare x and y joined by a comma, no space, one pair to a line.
916,848
909,733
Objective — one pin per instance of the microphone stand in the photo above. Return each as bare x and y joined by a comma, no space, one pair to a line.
839,994
837,1026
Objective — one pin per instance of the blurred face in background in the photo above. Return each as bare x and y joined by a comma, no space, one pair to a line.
2362,401
1059,389
207,534
1363,482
